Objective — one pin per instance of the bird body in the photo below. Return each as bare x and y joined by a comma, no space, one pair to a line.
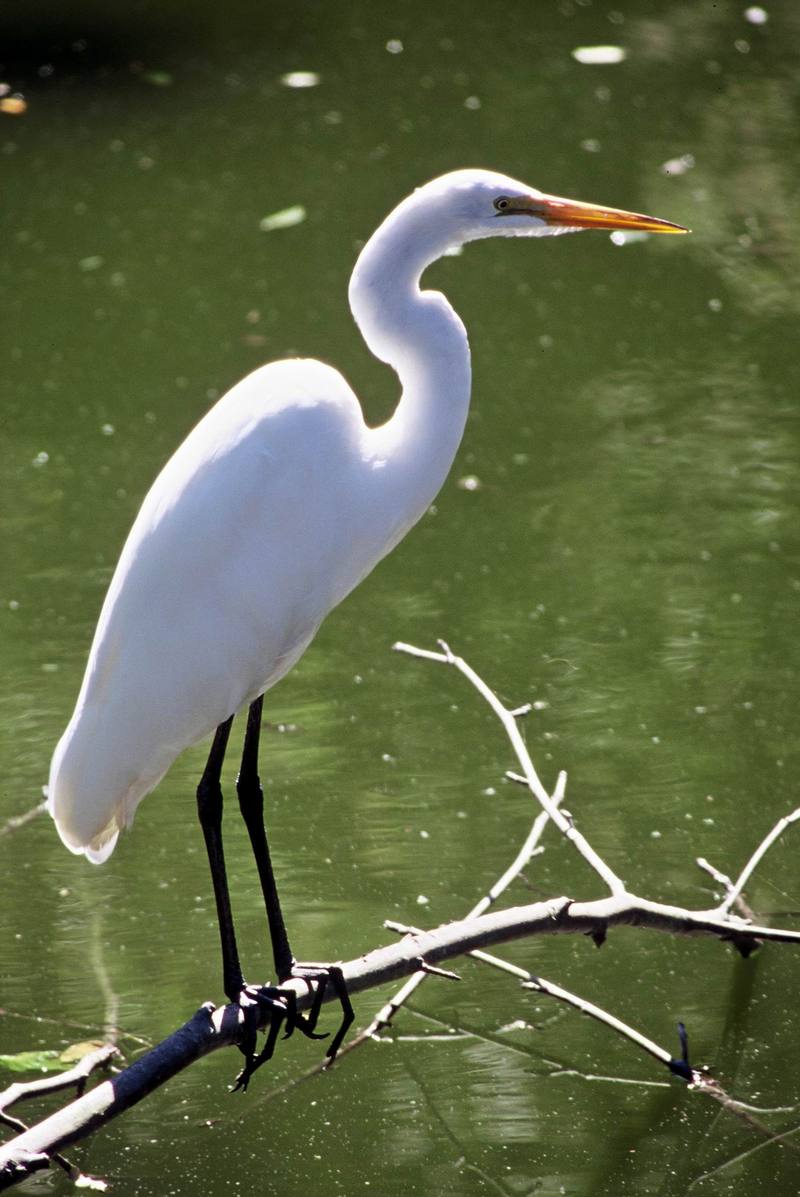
271,511
275,507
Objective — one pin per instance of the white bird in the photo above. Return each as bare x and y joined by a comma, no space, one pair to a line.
272,510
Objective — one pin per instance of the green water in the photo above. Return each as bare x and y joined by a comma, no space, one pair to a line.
631,560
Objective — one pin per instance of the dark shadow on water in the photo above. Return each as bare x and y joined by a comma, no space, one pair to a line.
91,38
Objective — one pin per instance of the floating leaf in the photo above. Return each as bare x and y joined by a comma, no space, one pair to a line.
76,1051
13,105
599,55
283,219
34,1061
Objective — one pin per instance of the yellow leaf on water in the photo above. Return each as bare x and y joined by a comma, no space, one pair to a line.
13,105
76,1051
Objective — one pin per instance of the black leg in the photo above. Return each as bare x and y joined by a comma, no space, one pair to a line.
251,804
209,809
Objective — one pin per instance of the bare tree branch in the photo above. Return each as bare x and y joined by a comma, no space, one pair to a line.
755,859
417,955
508,720
32,1160
210,1029
723,880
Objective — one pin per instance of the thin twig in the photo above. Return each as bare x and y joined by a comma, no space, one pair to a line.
56,1082
525,853
760,851
533,981
724,880
20,820
25,1090
386,1014
506,717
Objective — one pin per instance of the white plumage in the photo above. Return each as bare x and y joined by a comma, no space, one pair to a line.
275,506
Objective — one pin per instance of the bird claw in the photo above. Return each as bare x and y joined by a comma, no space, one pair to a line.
281,1004
252,1000
323,974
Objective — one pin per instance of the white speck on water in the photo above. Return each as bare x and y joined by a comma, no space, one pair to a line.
599,55
620,237
298,79
469,482
677,166
286,218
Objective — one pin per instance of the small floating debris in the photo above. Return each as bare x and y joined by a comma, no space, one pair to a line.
285,219
301,79
677,166
620,237
599,55
12,105
756,15
469,482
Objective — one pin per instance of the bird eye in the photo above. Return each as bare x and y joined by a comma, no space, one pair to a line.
501,204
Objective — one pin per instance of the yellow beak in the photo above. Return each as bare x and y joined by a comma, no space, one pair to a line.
555,210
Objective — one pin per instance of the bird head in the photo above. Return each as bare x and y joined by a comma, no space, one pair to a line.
474,204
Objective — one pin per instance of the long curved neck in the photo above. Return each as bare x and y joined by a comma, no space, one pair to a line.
421,337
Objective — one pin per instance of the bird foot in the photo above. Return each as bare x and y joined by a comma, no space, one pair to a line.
281,1005
320,976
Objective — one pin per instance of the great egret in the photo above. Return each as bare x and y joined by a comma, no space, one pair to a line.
275,506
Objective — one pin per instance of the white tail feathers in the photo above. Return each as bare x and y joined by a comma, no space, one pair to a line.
89,805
